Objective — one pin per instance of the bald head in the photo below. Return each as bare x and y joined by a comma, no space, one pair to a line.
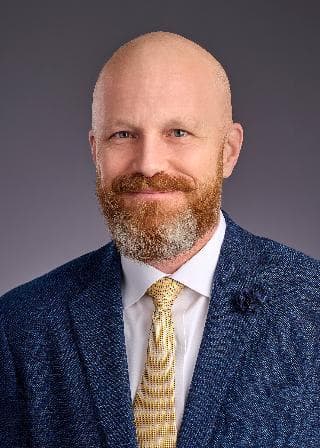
159,57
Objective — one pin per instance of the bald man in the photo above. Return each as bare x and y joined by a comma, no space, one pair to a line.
185,330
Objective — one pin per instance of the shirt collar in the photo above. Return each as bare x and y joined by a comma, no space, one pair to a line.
197,273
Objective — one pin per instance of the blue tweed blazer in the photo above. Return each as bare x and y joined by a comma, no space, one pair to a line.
63,369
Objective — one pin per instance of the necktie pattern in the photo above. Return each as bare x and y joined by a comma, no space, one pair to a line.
154,404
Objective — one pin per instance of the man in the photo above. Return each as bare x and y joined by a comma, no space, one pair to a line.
185,330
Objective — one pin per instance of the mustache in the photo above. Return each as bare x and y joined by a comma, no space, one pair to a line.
162,182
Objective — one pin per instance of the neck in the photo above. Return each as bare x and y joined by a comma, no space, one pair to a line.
170,266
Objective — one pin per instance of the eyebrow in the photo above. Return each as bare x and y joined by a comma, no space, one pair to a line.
183,122
179,123
118,123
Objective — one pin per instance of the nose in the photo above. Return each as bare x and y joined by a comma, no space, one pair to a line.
150,157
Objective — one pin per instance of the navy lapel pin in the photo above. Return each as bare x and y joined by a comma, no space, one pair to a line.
247,301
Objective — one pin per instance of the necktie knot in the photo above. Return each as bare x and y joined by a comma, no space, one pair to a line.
164,292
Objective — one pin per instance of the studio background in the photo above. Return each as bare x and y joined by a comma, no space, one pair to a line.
50,55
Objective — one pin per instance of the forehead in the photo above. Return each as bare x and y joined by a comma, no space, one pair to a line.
159,92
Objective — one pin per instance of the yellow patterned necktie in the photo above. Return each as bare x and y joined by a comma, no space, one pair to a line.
154,404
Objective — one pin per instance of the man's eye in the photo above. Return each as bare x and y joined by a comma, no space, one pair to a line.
121,134
179,133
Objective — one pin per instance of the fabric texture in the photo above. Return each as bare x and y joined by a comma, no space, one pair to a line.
63,369
154,403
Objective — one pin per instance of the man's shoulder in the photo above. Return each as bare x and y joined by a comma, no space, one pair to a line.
278,264
289,268
284,255
61,282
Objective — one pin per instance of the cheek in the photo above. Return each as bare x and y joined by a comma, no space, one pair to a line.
199,166
110,165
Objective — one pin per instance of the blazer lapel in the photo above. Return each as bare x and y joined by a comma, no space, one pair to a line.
98,325
235,319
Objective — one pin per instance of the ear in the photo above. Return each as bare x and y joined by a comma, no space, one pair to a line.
93,145
232,148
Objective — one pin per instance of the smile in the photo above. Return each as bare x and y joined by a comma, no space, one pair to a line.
152,194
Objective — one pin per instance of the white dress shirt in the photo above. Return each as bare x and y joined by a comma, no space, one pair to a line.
189,313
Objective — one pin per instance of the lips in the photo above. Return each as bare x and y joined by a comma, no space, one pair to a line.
151,194
149,191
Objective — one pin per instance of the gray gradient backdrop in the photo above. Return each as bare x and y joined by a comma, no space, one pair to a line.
50,55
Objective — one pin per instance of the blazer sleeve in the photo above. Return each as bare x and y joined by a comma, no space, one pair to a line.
12,423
